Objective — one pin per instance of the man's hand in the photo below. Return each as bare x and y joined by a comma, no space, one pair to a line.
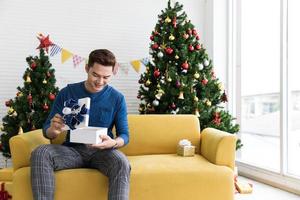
56,126
107,142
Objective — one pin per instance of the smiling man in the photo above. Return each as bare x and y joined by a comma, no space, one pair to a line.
108,109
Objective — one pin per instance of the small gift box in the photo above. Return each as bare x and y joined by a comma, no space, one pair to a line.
184,148
87,135
243,187
76,113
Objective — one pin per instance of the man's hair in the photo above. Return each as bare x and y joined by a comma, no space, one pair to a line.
103,57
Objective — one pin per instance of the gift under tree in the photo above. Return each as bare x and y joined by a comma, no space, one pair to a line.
31,106
180,77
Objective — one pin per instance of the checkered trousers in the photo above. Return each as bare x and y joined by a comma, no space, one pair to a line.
48,158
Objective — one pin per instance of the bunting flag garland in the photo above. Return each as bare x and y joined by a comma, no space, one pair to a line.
77,60
55,50
65,55
145,61
136,65
125,67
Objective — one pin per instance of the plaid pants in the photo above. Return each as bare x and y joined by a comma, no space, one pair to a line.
46,159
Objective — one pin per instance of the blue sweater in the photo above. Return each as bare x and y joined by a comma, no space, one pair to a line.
108,108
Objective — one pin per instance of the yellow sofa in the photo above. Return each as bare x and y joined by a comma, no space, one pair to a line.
157,172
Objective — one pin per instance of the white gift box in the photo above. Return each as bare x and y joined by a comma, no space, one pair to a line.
87,135
83,101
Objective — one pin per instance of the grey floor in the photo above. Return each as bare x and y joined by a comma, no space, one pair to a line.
265,192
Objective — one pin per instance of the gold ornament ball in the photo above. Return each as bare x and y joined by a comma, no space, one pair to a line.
208,103
220,86
176,57
196,99
169,80
197,75
148,82
171,37
168,20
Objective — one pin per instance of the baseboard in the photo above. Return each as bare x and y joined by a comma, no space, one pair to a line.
277,180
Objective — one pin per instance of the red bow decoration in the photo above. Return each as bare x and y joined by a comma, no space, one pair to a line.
4,194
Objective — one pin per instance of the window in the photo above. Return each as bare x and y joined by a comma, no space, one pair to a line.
266,44
260,83
293,136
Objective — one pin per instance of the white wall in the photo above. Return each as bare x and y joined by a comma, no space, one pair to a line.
81,26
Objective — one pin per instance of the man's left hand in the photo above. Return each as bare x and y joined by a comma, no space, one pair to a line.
107,142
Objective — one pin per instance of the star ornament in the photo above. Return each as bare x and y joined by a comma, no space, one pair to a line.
45,42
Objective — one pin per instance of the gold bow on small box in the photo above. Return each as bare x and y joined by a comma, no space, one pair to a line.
184,148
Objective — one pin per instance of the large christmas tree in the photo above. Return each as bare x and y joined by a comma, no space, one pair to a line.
31,106
180,78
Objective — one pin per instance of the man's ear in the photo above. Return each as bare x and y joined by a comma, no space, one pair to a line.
87,68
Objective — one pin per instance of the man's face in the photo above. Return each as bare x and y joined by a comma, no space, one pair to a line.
98,77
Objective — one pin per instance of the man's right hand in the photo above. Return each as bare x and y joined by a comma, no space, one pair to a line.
56,126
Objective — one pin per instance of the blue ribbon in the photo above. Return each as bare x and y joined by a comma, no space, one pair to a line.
75,117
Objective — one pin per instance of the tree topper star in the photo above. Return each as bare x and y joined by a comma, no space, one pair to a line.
45,42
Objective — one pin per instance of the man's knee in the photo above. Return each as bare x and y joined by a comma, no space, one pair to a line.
122,163
41,152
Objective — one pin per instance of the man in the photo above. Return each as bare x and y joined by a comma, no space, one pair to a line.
108,108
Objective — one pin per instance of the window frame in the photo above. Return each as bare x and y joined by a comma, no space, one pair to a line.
283,179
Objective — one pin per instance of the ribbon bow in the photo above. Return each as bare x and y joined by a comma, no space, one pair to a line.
184,142
73,113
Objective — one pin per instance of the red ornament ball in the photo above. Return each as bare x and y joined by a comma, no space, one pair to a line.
45,107
173,106
191,48
29,97
8,103
204,81
156,73
197,37
198,46
169,50
51,97
33,65
194,32
189,31
154,46
151,37
185,65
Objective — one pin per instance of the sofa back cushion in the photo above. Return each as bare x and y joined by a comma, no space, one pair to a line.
160,134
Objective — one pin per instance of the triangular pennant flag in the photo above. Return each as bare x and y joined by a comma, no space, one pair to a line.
65,55
55,49
124,67
136,65
145,61
77,60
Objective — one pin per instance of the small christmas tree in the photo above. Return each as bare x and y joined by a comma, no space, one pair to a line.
179,76
31,106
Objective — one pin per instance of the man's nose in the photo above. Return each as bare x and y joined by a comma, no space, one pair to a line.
101,81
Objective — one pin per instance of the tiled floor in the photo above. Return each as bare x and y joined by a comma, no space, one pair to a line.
265,192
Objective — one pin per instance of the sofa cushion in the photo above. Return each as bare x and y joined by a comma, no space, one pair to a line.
174,177
160,134
152,177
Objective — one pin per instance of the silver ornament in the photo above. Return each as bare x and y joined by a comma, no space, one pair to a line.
160,54
155,102
200,66
206,63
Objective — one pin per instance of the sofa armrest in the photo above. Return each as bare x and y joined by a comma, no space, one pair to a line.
218,147
22,145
